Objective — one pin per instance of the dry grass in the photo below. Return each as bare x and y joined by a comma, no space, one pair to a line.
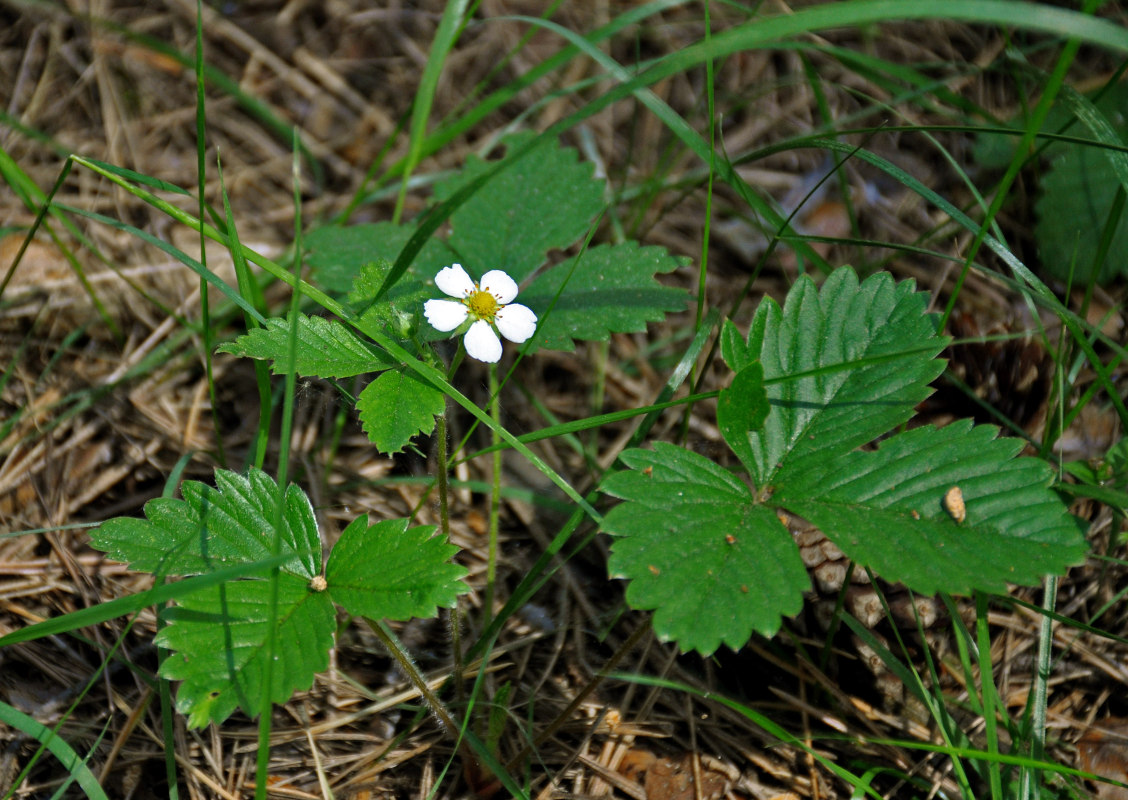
111,402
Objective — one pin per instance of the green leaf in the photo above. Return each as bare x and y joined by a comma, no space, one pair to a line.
397,406
1117,460
219,635
714,564
546,200
609,289
399,312
734,349
1077,198
541,202
843,364
326,348
391,571
132,603
1079,185
337,255
886,510
742,408
212,528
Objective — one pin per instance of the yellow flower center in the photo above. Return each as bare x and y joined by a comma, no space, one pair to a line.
482,305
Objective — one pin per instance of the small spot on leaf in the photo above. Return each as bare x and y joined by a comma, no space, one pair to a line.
954,504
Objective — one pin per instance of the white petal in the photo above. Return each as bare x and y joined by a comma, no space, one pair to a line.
482,343
444,315
516,322
500,285
454,281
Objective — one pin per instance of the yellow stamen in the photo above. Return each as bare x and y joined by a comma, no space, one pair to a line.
482,305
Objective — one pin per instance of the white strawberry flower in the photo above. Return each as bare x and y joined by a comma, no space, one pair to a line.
488,303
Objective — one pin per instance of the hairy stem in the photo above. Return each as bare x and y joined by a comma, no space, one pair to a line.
443,480
495,496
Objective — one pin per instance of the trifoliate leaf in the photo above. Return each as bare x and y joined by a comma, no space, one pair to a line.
326,348
217,634
546,200
391,571
211,528
396,407
939,510
888,510
713,564
843,364
218,639
611,289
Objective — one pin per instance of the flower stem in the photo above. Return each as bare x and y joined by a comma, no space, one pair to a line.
495,495
407,666
443,480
